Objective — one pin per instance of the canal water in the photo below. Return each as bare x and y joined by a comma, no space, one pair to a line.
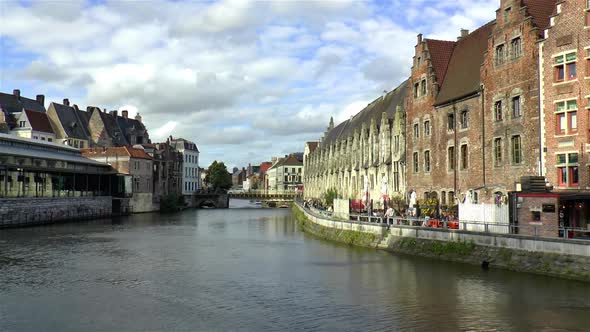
254,270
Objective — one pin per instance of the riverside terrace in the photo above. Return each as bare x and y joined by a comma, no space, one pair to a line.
522,230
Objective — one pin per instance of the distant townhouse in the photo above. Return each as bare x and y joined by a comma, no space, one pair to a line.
168,165
191,178
286,174
35,125
70,124
12,105
136,163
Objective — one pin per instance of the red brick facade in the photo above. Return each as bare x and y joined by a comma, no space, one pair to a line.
489,87
565,90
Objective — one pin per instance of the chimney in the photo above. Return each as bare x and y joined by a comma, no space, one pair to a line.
16,93
138,118
66,102
464,33
113,113
419,38
76,107
124,114
41,99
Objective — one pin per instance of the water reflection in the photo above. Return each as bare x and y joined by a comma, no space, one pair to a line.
253,269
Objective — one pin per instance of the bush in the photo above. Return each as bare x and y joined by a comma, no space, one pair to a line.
171,203
329,197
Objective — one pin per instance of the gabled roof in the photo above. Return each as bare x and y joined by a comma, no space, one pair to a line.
440,54
123,151
39,121
290,160
179,143
374,110
74,122
264,166
463,73
312,146
11,104
540,11
112,127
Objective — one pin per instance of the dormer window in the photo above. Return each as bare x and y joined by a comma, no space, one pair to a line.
22,124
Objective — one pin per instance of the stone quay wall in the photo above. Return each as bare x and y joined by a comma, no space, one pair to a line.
568,259
35,211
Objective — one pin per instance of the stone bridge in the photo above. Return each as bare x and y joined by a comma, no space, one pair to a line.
210,200
265,195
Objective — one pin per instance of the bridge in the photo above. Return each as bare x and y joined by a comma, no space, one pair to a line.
265,195
210,200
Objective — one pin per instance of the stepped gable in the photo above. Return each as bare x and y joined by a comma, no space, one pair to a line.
463,74
541,12
440,54
374,110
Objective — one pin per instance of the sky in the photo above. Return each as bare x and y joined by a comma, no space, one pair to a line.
244,80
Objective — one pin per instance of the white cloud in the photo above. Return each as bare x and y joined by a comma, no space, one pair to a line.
240,78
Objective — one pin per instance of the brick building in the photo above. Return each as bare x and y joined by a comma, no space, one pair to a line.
444,117
511,94
565,68
473,112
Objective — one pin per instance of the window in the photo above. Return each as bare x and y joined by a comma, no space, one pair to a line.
464,157
426,161
443,198
35,137
50,140
416,89
396,142
451,121
498,111
588,13
423,88
22,123
499,54
464,119
565,67
451,157
81,145
516,150
567,169
286,178
418,60
516,113
75,143
516,48
506,13
415,159
566,117
475,197
497,151
426,128
42,138
416,130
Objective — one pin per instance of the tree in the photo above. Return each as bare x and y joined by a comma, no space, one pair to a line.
329,196
218,177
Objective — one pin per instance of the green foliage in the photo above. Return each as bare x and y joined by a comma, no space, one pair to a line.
171,203
398,204
329,196
428,206
218,177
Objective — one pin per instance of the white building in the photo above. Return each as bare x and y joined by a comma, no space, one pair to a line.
35,125
191,179
285,175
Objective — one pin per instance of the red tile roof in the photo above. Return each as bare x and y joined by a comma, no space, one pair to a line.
123,151
440,54
540,11
463,76
39,121
265,166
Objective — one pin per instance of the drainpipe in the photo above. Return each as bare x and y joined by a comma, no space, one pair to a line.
456,149
483,134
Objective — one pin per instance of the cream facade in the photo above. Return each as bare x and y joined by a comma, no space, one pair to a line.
363,156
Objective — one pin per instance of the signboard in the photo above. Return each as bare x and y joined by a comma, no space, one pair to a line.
549,208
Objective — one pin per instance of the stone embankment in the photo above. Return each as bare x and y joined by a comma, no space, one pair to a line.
554,257
37,210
